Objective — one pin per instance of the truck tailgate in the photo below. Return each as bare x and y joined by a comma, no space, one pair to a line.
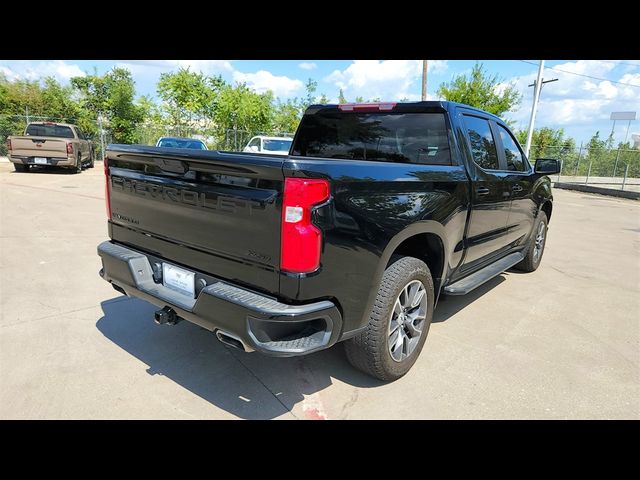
214,212
31,146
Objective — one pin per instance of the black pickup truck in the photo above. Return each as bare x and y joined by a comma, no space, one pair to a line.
377,211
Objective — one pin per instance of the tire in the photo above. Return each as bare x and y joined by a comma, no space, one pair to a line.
91,159
21,167
79,164
533,255
369,351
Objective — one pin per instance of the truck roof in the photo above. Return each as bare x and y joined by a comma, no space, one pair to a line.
442,104
52,123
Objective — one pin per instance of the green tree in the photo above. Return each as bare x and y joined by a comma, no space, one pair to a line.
43,99
286,116
481,90
341,98
241,109
113,95
189,97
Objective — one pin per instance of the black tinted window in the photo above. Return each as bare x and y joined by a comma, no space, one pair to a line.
182,143
483,146
511,151
41,130
386,137
277,145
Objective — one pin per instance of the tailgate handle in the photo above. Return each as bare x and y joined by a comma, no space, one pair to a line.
174,166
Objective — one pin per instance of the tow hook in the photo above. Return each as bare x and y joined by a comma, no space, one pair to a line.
166,316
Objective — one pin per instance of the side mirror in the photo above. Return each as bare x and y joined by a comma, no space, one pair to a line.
547,166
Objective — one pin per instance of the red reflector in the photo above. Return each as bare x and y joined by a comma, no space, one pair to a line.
69,148
367,107
301,240
107,192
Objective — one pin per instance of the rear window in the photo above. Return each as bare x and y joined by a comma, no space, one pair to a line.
276,145
49,131
180,143
386,137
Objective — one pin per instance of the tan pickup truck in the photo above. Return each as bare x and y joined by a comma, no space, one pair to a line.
53,144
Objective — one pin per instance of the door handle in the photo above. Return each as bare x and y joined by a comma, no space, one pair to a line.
516,188
482,191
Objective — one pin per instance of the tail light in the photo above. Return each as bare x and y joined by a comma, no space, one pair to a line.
301,240
107,192
9,144
69,148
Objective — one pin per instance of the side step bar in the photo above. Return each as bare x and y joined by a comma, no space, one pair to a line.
466,284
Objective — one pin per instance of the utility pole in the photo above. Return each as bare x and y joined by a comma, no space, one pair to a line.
424,79
534,107
101,134
26,111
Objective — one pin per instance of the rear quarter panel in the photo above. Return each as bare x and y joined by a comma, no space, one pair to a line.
374,206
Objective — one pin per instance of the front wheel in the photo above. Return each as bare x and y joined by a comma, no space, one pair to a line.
533,253
398,324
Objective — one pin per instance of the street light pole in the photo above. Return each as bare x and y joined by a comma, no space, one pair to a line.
534,107
424,80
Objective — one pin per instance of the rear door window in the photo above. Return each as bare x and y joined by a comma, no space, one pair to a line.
512,152
483,145
420,138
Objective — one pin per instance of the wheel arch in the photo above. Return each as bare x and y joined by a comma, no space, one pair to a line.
408,242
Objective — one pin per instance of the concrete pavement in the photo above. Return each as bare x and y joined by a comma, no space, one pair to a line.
563,342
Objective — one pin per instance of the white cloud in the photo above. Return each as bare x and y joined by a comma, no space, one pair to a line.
152,67
574,101
28,70
307,65
384,79
262,80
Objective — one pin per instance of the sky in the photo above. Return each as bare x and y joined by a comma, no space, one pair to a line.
578,104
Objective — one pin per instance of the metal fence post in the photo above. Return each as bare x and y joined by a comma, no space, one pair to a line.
578,164
560,172
588,173
626,172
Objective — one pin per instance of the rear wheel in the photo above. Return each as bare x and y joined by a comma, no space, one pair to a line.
79,164
399,322
533,254
21,167
91,160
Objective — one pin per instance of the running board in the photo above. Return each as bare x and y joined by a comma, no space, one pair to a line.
465,285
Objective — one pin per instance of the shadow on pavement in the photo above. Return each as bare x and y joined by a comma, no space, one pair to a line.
248,385
449,305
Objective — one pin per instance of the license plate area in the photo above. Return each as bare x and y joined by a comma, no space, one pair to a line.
178,279
41,160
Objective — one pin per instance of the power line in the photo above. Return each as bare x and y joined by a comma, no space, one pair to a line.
583,75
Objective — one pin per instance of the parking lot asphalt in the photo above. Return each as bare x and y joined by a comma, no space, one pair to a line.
562,342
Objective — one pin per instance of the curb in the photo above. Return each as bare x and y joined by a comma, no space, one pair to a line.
599,190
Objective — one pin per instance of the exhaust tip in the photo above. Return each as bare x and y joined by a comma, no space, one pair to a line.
231,340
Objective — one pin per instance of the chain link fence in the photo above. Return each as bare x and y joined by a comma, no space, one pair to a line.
607,168
148,133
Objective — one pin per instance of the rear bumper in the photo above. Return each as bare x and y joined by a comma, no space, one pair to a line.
262,323
52,161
